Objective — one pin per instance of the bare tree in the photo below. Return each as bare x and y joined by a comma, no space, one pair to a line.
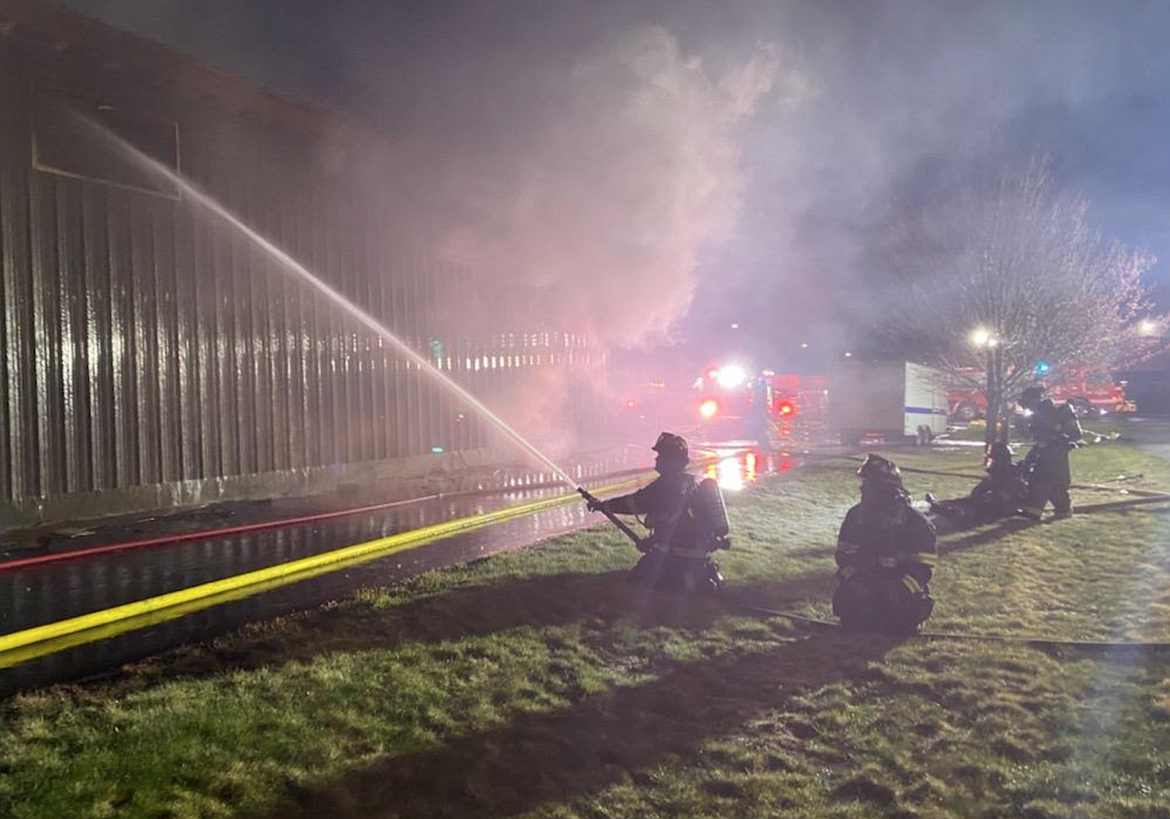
1009,275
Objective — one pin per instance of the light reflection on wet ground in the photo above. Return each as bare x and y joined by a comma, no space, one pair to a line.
44,594
496,481
50,595
736,469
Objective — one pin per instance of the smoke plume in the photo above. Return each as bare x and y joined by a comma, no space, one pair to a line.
592,214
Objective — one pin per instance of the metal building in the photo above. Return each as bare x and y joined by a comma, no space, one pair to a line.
151,356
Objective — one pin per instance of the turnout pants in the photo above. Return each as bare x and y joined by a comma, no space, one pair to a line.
876,601
669,572
1051,480
981,506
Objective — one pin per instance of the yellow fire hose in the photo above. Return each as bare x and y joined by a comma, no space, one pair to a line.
21,646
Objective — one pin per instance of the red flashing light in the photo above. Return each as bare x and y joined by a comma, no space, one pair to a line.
712,373
786,408
708,408
631,404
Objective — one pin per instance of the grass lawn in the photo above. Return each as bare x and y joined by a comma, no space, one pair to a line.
1101,426
539,684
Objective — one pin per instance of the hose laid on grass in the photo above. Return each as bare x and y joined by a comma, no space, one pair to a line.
1037,642
1148,495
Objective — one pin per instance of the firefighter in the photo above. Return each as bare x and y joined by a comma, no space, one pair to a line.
759,423
1055,432
886,553
677,554
999,495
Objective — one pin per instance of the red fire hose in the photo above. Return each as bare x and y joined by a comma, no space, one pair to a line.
205,534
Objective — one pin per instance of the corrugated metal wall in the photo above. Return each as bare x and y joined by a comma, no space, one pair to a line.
144,343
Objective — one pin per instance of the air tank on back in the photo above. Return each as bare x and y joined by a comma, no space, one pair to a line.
710,509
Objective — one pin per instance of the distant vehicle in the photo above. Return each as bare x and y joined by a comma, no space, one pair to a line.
1147,385
655,404
807,395
1086,392
731,403
892,400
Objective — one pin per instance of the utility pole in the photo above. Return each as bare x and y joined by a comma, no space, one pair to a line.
983,338
992,399
1005,430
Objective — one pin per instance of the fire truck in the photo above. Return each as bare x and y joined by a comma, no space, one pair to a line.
1088,393
732,403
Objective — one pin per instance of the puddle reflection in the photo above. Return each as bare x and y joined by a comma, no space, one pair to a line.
736,469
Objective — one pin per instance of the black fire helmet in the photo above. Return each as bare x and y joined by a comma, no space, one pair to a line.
877,468
670,444
1031,397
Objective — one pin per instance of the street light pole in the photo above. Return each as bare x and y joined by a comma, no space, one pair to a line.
1005,416
982,337
992,397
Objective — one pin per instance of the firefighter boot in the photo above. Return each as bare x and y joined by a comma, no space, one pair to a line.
714,579
1062,503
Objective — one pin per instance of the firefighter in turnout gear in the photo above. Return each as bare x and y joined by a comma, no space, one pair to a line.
686,521
886,554
759,424
1055,431
999,495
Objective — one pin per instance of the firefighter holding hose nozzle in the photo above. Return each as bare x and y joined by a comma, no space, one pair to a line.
687,521
886,553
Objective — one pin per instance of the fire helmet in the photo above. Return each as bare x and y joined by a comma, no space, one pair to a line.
670,444
879,469
1031,397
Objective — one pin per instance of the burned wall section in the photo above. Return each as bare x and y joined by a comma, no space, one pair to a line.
151,355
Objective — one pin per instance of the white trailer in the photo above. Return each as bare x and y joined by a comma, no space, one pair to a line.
893,399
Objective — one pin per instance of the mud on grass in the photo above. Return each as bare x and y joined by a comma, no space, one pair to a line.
538,684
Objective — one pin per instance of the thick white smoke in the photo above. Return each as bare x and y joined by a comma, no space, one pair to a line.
595,213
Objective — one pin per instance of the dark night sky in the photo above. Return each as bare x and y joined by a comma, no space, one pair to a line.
866,94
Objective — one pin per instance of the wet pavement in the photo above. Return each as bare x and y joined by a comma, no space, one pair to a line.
69,536
1150,433
43,594
50,593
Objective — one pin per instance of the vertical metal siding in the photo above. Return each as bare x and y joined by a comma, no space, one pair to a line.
45,392
20,352
144,343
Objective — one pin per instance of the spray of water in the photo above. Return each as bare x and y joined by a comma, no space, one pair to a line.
204,200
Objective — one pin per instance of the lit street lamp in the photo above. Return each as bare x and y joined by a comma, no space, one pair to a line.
985,340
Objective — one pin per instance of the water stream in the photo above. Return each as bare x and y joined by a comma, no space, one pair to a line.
195,194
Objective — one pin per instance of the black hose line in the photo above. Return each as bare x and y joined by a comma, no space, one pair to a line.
1143,497
1147,495
1036,642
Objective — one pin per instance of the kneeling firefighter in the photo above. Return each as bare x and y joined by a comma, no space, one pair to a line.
886,553
687,521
